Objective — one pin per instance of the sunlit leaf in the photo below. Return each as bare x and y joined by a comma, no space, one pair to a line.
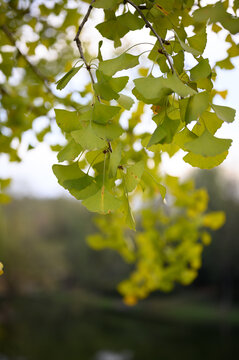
133,175
87,138
224,113
208,145
61,84
67,120
203,162
122,62
102,202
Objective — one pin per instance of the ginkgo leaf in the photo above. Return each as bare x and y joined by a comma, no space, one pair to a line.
67,172
102,202
208,145
108,87
84,193
201,70
67,77
188,48
125,101
87,138
133,176
129,217
107,132
203,162
115,158
78,184
157,137
178,61
217,13
199,40
208,120
225,64
154,89
224,113
164,132
102,113
196,105
67,120
99,113
95,156
116,28
69,152
183,137
105,4
122,62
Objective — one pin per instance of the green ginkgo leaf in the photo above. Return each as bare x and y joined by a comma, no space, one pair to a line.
67,172
224,113
208,145
102,202
188,48
115,29
105,4
129,217
154,89
102,113
107,132
69,152
67,77
208,120
203,162
183,137
87,138
196,105
107,87
133,176
115,158
125,101
201,70
165,132
67,120
122,62
84,193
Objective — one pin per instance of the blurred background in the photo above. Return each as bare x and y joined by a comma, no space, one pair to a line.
58,298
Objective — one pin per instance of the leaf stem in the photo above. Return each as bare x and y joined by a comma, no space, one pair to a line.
92,162
141,43
104,171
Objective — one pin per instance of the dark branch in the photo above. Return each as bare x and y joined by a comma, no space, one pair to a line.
160,40
79,45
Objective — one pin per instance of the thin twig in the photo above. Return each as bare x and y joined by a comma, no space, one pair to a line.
160,40
79,45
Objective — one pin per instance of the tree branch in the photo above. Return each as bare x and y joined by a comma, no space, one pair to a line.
79,45
34,68
160,40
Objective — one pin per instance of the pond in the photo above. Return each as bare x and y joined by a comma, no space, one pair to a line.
43,328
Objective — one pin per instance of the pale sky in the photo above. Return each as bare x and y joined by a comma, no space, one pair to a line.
33,176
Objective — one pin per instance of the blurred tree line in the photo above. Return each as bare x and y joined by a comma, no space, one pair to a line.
43,247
